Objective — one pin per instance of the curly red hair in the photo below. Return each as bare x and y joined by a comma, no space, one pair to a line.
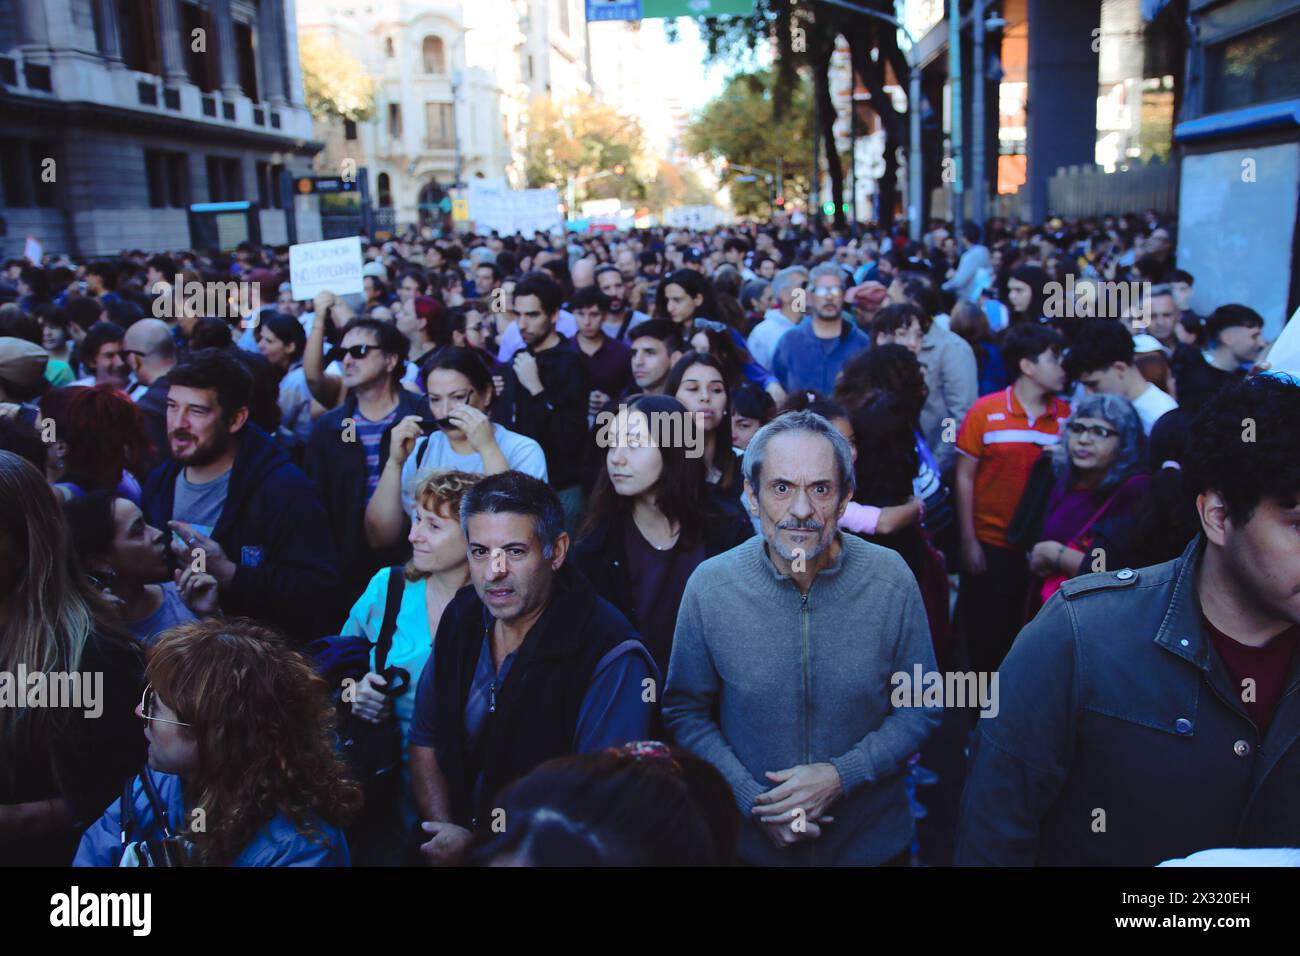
104,432
265,729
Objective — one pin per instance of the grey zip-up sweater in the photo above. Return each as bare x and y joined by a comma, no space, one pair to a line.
762,678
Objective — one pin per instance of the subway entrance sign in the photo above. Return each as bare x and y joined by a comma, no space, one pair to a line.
306,185
650,9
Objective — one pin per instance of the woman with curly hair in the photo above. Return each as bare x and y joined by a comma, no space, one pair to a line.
242,768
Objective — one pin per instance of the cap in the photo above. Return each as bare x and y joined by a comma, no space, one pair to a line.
692,255
22,362
869,295
1143,344
375,269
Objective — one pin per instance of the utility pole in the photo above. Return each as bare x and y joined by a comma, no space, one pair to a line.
955,113
979,72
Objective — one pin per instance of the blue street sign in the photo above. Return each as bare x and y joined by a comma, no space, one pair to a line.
613,10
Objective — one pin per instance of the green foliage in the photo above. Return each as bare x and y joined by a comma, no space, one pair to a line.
740,126
335,83
579,138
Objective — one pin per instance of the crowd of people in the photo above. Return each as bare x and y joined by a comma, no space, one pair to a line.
621,549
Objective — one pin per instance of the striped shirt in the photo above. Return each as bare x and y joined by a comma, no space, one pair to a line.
999,435
371,436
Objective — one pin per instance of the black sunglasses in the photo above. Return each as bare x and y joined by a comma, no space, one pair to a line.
356,351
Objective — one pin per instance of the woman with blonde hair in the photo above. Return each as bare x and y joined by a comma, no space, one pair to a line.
242,767
61,761
438,568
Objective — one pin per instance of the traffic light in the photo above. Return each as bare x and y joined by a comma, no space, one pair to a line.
780,200
828,208
619,169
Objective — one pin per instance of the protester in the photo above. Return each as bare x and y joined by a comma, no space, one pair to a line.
1234,337
971,322
59,766
350,446
242,769
1102,360
100,355
810,356
653,519
127,560
438,568
234,500
620,318
1101,474
641,804
579,670
464,439
788,289
751,409
999,441
1124,695
608,360
793,759
547,389
698,382
281,340
99,442
150,352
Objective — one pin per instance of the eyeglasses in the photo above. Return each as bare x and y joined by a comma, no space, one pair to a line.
709,325
146,708
1098,432
827,290
359,351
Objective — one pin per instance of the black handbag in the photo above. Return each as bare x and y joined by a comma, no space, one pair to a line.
374,751
1026,526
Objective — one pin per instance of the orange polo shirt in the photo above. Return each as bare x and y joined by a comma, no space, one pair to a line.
998,434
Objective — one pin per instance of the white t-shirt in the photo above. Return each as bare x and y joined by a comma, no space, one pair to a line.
436,454
1151,404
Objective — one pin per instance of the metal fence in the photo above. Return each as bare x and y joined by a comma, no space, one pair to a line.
1088,191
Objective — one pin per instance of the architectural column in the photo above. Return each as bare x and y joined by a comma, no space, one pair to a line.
295,93
171,42
1062,93
227,61
33,29
107,12
271,47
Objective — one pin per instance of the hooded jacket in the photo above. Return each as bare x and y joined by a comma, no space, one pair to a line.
1113,699
274,528
338,469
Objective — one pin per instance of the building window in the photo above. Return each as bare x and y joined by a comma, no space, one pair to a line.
395,120
22,172
1256,67
168,177
349,129
388,48
245,50
200,67
439,124
384,186
435,58
225,179
138,35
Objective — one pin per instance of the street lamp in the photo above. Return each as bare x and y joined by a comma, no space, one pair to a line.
913,113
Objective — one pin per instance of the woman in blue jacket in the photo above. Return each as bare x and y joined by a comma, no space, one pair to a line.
242,769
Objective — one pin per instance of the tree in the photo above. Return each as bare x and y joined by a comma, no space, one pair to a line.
741,126
581,137
675,186
334,82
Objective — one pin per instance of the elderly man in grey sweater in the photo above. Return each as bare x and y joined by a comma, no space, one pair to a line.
784,662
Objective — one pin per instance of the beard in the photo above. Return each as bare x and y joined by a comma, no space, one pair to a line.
202,454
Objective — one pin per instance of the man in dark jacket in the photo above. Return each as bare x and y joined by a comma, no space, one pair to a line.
348,448
1146,715
547,389
150,352
528,664
238,505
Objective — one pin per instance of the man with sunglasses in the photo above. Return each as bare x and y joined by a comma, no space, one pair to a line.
349,447
150,352
809,357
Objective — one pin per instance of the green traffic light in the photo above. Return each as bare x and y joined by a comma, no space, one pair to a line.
828,208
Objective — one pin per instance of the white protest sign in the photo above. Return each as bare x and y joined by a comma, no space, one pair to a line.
493,205
32,250
330,266
1284,356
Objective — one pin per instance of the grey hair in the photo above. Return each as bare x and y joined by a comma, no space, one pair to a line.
1119,412
513,492
826,269
800,421
785,278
